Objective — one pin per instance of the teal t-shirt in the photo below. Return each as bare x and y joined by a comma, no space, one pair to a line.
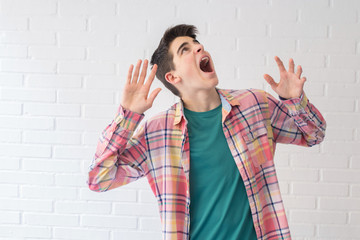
219,207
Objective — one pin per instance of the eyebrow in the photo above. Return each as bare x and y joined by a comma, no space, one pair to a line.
184,44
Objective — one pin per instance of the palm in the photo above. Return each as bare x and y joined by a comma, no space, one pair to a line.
291,84
135,95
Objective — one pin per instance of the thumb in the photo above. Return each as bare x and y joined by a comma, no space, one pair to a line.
153,95
270,81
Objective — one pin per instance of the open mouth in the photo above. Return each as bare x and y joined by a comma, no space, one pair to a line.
205,65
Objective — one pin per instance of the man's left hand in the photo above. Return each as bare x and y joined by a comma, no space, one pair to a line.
291,84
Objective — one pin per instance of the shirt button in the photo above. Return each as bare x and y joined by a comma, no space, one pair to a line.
187,192
186,218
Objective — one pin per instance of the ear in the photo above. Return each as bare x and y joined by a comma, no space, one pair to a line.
171,78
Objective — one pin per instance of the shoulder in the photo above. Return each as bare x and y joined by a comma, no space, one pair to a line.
162,119
242,96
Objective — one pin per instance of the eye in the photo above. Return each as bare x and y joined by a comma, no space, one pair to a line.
184,49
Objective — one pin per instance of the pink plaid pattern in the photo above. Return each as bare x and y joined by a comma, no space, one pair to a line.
253,122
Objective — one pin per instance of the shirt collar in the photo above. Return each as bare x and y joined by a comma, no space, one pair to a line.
227,101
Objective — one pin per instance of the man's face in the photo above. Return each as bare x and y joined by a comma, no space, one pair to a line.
192,64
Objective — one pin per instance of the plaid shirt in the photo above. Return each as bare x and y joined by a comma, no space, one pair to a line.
253,122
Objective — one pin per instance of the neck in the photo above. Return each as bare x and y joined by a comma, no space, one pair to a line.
202,101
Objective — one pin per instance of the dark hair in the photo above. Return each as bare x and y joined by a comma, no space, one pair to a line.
164,59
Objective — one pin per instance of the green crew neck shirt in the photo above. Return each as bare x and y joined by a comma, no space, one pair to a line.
219,206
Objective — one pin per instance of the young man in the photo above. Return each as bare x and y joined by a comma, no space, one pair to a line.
209,158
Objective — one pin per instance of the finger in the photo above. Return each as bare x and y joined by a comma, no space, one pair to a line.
280,64
270,81
128,79
303,79
291,65
299,71
153,95
151,76
143,72
136,73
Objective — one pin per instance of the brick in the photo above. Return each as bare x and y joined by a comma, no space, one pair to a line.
120,195
320,189
351,31
57,23
10,163
8,191
116,25
343,119
81,124
10,217
340,176
342,147
355,161
51,219
225,12
25,205
299,202
26,123
91,138
25,231
355,218
327,45
289,30
26,38
81,207
13,23
105,82
10,136
237,29
302,230
319,4
13,51
80,234
287,174
97,39
355,190
273,46
136,209
332,75
150,224
344,61
114,54
86,8
86,67
21,177
137,235
339,134
82,96
100,111
10,108
11,80
109,221
340,105
345,232
71,180
345,204
320,161
53,81
21,7
40,109
22,150
316,217
146,196
328,16
49,193
28,66
50,165
27,95
52,137
56,53
72,152
267,14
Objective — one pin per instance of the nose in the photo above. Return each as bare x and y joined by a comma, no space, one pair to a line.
198,48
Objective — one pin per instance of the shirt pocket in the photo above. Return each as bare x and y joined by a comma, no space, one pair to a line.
256,139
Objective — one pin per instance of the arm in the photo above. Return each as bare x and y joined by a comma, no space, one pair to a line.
120,155
294,119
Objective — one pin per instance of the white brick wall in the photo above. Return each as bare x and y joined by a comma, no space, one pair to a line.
62,68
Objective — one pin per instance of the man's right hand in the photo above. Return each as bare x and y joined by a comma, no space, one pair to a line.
135,95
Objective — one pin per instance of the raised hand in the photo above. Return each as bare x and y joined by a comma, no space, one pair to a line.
135,95
291,84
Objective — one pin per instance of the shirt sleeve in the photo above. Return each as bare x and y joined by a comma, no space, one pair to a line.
296,121
120,154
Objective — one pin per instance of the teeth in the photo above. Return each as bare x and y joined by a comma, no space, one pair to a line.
205,59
